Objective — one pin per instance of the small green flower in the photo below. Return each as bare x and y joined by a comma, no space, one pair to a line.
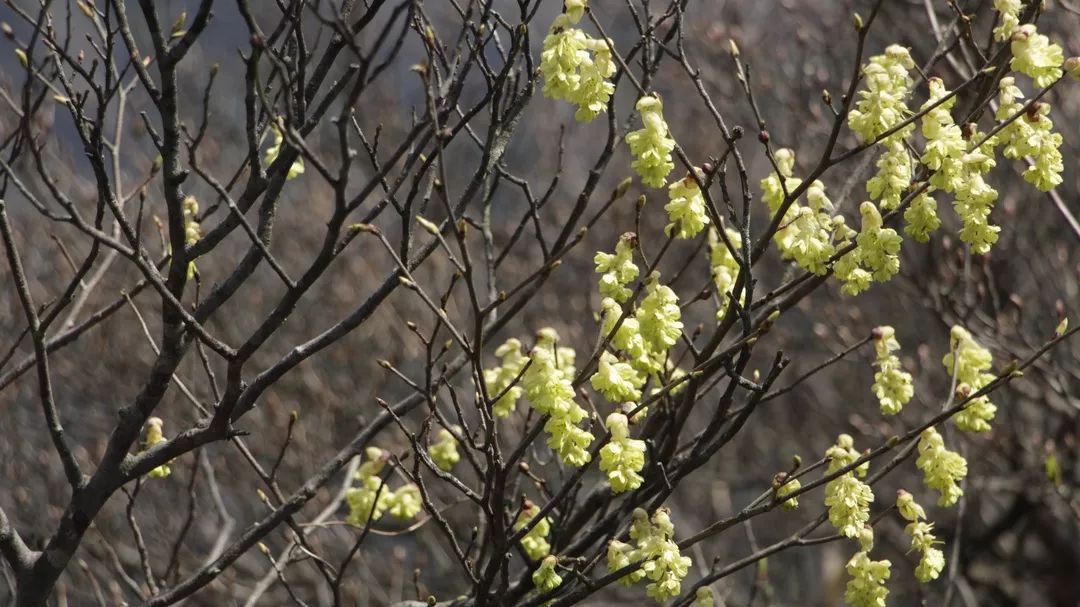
535,541
405,503
659,315
444,451
497,380
546,578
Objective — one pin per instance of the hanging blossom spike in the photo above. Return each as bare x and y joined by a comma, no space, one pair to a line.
652,145
535,542
576,67
882,104
617,270
892,385
497,380
1031,135
970,362
623,457
866,588
686,210
1035,56
444,451
932,559
942,469
847,498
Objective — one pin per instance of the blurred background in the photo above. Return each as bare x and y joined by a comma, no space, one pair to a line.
1015,537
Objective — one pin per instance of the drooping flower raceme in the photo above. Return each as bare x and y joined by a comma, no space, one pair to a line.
192,229
546,578
956,169
921,217
652,145
806,233
498,380
945,144
1010,18
848,268
550,392
847,498
686,211
629,340
774,190
725,266
623,457
665,565
703,597
932,560
576,67
534,542
618,381
970,362
1031,134
405,503
1035,56
617,269
368,500
892,385
879,247
975,198
866,588
444,451
659,315
785,486
942,469
894,173
882,104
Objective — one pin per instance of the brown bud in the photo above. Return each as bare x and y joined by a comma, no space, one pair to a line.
763,136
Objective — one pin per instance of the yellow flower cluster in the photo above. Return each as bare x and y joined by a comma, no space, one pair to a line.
892,385
942,469
498,380
866,588
548,388
576,66
686,211
617,270
652,145
371,498
1031,135
663,565
970,362
847,498
623,457
806,233
883,103
535,542
920,530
